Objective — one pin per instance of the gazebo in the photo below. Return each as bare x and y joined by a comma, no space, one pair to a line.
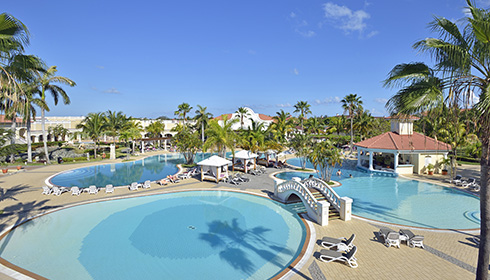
242,159
401,150
266,159
214,168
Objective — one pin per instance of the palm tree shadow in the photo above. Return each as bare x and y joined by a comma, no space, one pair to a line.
238,244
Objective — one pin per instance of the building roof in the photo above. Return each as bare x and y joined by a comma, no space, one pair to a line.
245,155
5,120
394,141
214,161
261,116
220,117
402,117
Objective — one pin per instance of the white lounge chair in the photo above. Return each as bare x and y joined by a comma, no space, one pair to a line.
163,181
453,180
146,184
134,186
93,189
412,239
57,191
470,182
75,190
330,256
342,244
46,190
109,188
391,237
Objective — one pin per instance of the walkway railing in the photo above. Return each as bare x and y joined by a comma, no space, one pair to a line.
305,195
332,197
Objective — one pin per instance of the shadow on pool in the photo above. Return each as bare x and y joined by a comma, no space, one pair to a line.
235,243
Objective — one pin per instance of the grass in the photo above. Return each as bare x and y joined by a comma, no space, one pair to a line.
467,162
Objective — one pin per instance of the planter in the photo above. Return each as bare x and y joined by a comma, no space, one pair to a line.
444,172
5,170
19,167
430,172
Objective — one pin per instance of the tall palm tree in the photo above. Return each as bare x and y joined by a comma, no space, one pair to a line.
364,123
303,108
351,104
282,126
155,129
314,125
47,83
202,118
94,125
253,139
115,123
182,111
242,113
28,113
221,137
464,60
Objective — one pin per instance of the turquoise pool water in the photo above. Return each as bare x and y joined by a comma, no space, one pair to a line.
189,235
406,202
120,174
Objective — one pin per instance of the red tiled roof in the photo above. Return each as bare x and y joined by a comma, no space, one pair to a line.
402,117
394,141
4,120
219,118
265,117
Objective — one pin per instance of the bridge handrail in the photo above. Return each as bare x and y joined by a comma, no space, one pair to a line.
301,189
326,190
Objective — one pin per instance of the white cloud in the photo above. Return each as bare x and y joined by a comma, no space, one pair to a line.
381,100
292,15
112,90
327,100
296,71
286,105
344,18
99,66
372,33
301,26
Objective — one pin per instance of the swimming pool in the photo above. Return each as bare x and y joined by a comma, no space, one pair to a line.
187,235
119,174
402,201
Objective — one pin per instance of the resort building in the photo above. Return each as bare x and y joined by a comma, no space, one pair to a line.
247,119
401,150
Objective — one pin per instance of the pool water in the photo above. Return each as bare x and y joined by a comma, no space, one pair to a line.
189,235
119,174
402,201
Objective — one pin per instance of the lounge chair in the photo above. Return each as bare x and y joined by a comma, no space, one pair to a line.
163,181
234,180
242,178
93,189
134,186
391,237
173,179
475,187
57,191
146,184
342,244
453,180
412,239
470,182
330,255
46,190
460,182
75,190
109,188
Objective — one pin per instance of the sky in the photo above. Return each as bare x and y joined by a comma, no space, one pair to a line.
144,58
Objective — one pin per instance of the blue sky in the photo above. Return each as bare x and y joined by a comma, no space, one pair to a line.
146,57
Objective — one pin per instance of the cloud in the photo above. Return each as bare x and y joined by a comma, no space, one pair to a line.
292,15
295,71
99,66
112,90
344,18
372,33
327,100
381,100
301,26
286,105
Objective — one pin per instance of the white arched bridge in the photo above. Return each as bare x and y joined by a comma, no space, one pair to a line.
320,200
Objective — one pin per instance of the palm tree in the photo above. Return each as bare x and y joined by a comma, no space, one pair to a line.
464,60
94,125
314,125
29,113
221,137
337,124
242,112
155,129
351,104
282,126
202,117
46,83
115,123
303,108
325,156
183,110
253,139
364,123
303,145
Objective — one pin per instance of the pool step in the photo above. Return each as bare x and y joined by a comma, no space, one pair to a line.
333,214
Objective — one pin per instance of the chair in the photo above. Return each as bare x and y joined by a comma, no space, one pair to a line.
75,190
109,188
475,187
459,182
134,186
342,244
412,239
146,184
57,191
93,189
469,183
163,181
46,190
391,237
456,178
329,256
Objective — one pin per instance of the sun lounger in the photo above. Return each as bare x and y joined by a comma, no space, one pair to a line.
75,190
134,186
456,178
330,256
46,190
391,237
93,189
342,244
146,184
109,188
57,191
163,181
412,239
470,182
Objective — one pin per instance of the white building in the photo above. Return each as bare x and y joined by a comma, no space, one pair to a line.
247,119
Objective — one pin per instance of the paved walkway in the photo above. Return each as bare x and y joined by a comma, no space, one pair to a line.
448,254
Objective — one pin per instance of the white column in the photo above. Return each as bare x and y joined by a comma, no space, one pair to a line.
165,143
322,212
113,152
345,208
395,164
359,157
142,147
370,160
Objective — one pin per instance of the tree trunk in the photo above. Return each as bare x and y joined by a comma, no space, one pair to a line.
29,144
484,251
12,138
351,136
43,126
202,131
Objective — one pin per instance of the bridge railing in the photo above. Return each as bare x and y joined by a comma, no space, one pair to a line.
342,204
301,190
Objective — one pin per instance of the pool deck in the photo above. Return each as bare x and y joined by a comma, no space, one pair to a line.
448,254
